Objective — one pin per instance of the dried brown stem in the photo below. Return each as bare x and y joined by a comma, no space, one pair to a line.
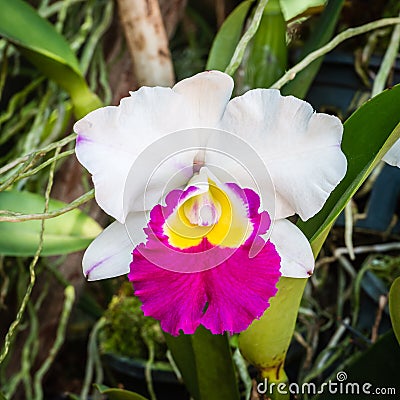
147,42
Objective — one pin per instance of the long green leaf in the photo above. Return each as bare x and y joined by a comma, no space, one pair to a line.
266,54
118,394
64,234
394,307
44,47
228,37
292,8
368,134
206,365
320,36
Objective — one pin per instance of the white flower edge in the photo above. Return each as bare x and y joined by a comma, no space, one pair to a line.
297,259
110,254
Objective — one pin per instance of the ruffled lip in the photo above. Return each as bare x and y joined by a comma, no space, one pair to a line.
226,298
221,288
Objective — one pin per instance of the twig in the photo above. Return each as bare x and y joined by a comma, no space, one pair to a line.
41,151
347,266
60,337
348,231
387,62
92,42
243,372
45,164
29,351
309,350
93,358
341,37
149,366
13,327
382,304
174,366
244,41
51,214
333,342
367,249
340,251
30,162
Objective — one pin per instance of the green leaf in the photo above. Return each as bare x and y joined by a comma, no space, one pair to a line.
228,37
293,8
394,307
2,397
266,55
205,362
368,134
118,394
320,36
229,34
64,234
44,47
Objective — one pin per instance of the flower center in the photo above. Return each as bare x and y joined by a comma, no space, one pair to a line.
216,213
202,210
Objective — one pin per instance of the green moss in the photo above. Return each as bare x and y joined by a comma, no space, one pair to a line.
127,330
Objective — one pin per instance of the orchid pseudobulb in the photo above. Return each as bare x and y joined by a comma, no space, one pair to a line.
200,187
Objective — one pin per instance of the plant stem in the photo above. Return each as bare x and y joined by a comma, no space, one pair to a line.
13,327
42,151
341,37
51,214
244,41
60,337
45,164
93,358
387,62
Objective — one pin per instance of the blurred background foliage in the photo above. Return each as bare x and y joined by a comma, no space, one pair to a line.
344,309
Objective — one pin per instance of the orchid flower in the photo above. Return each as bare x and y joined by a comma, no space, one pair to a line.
202,240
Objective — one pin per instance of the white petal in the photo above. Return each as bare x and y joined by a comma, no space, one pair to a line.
297,260
300,148
110,254
392,157
110,139
206,95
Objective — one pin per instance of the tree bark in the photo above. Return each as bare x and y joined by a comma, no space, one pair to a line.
147,42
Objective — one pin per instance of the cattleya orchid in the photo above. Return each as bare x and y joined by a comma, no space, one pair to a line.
200,234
